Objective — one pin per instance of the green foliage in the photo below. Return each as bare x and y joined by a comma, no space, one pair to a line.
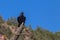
1,20
6,32
41,34
12,21
38,33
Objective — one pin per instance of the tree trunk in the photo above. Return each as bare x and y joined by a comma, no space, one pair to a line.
17,33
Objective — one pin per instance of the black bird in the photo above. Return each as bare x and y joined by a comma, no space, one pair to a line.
21,18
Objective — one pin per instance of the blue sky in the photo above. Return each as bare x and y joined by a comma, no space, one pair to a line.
45,13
